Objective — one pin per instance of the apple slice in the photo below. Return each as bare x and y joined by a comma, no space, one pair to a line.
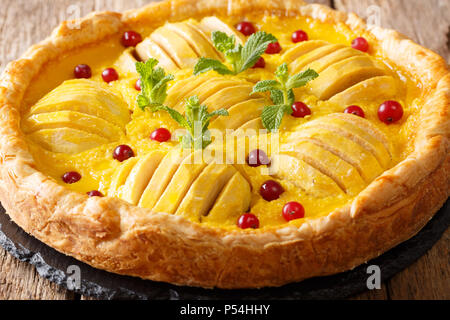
74,120
183,178
161,178
240,114
301,49
234,200
182,89
321,64
299,64
126,62
140,176
204,191
304,176
120,177
201,46
66,140
205,90
342,75
84,96
175,46
229,96
374,89
211,24
361,136
149,49
344,174
346,149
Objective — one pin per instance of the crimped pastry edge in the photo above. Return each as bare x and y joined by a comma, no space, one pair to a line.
110,234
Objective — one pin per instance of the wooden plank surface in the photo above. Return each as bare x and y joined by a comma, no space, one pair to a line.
425,21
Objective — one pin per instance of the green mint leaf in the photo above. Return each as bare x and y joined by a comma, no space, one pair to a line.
266,85
178,117
282,73
206,64
222,41
277,96
142,101
301,79
196,121
272,116
159,91
255,46
290,98
153,83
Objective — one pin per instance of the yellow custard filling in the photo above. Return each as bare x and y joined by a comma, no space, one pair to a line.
326,160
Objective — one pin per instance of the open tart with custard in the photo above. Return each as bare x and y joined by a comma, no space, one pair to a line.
230,144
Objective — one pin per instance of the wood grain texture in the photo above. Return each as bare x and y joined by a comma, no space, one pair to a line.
425,21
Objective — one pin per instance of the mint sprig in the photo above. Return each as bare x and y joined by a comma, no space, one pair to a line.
153,84
196,122
282,94
154,92
239,57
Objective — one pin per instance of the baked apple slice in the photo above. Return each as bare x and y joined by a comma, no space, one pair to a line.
74,120
149,49
299,64
176,47
201,46
211,24
234,199
161,178
181,181
321,64
304,176
84,96
140,176
301,49
374,89
199,200
240,114
66,140
342,75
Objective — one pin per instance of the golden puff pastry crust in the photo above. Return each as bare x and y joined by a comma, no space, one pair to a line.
111,234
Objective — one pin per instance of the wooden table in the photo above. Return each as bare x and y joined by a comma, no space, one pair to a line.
24,22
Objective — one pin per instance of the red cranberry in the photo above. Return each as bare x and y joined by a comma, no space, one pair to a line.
95,193
273,48
82,71
360,44
299,36
390,112
257,158
261,63
137,85
300,110
123,152
131,39
161,135
248,220
71,177
246,28
110,75
271,190
293,210
356,110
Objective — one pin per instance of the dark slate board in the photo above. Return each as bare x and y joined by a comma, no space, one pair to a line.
53,265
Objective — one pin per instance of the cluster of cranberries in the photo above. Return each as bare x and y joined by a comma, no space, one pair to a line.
247,29
388,112
83,71
270,190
